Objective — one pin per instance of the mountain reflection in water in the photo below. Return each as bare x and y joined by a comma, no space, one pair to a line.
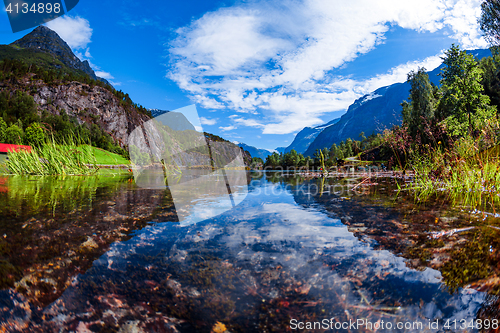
285,252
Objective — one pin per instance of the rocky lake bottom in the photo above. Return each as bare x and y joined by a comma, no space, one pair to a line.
100,254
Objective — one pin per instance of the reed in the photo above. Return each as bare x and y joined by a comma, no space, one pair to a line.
51,158
463,173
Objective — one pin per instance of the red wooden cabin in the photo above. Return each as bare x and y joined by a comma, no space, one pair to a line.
5,148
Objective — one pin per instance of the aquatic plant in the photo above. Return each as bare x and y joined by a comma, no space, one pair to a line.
463,171
69,158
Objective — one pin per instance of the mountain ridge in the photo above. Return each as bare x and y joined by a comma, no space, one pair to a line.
255,152
46,40
306,136
374,112
56,85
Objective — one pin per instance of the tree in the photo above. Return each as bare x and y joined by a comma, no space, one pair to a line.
490,21
273,160
257,163
3,129
348,152
421,105
291,159
491,82
34,135
14,135
463,105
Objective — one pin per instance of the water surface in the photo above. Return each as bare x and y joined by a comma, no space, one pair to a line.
101,254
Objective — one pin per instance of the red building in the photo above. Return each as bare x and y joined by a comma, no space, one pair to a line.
5,148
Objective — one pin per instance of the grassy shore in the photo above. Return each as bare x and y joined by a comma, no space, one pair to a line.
463,172
103,157
57,159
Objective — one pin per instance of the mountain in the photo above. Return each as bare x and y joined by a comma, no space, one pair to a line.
46,40
280,150
175,120
255,152
306,136
43,81
374,112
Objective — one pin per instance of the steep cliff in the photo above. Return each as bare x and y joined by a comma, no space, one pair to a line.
84,104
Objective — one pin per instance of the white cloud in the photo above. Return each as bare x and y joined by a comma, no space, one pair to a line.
104,75
75,31
398,74
463,20
227,128
248,122
206,121
264,56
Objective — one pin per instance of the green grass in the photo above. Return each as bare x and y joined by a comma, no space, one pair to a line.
55,159
461,173
103,157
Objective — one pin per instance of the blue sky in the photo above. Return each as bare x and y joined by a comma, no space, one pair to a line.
260,71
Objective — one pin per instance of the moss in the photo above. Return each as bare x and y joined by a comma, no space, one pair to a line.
468,263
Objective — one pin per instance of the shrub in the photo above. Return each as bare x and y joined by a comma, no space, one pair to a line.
14,135
34,135
3,129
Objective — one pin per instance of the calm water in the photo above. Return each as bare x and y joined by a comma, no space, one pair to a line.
100,254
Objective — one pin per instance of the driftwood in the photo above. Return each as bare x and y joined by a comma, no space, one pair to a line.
439,234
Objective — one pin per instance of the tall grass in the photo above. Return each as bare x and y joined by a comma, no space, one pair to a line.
51,158
463,172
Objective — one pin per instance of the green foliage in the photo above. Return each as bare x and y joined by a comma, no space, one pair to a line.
215,138
325,157
420,109
18,106
467,172
138,157
463,105
257,161
53,159
14,135
34,135
293,159
490,82
3,129
274,160
490,21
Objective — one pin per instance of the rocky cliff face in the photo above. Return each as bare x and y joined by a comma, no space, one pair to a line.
155,141
88,104
101,105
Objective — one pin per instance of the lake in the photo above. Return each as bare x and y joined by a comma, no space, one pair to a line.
102,254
